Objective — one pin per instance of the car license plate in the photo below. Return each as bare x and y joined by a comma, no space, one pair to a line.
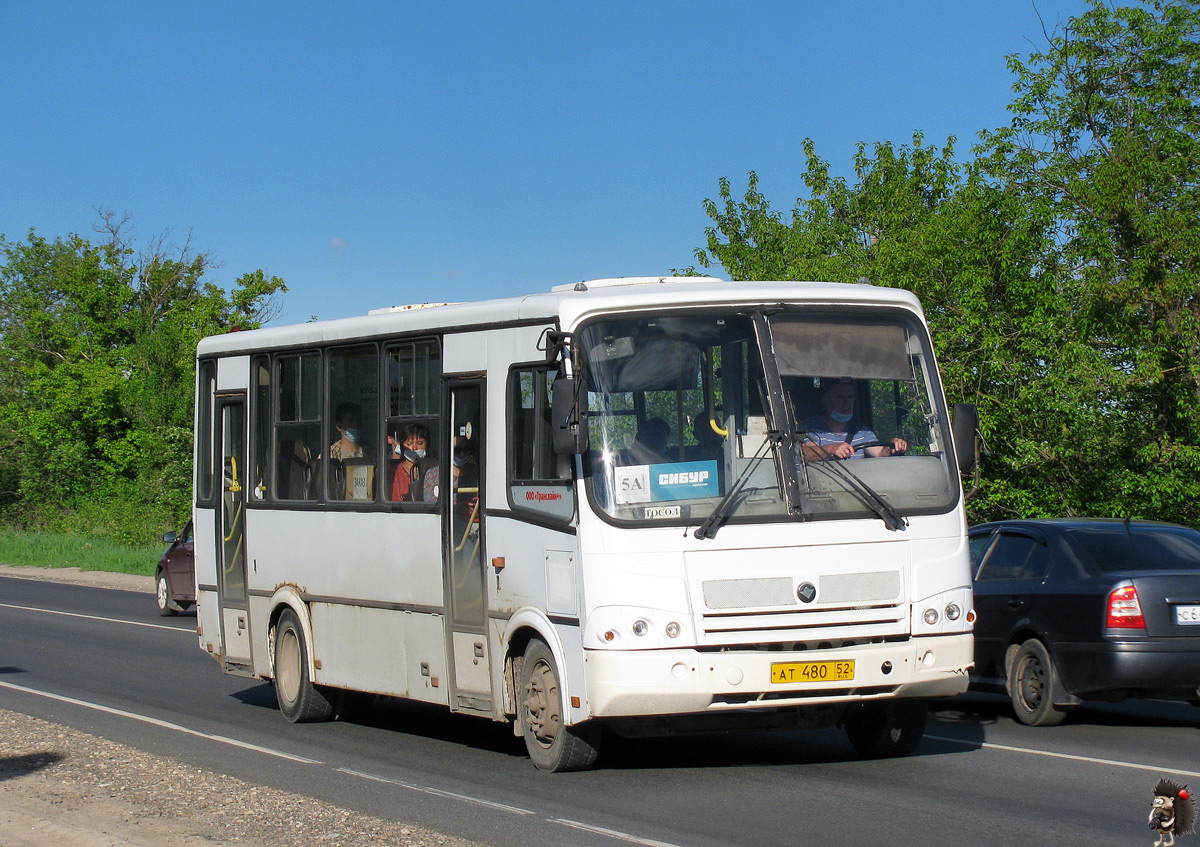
783,673
1187,615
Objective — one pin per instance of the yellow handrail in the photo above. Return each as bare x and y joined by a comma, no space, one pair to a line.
712,399
471,520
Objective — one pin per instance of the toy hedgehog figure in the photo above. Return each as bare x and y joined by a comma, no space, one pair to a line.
1172,813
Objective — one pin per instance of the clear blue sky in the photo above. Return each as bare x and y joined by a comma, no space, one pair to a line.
379,153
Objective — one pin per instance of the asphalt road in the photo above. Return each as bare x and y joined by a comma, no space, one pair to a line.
102,661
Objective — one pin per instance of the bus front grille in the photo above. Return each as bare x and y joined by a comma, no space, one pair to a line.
818,626
781,591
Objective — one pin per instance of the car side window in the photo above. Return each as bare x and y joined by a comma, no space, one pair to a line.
978,547
1038,563
1014,557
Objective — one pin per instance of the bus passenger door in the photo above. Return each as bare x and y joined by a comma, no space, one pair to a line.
462,516
231,541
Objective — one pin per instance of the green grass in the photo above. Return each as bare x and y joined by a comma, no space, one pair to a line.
64,550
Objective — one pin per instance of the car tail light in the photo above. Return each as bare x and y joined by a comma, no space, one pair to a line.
1124,610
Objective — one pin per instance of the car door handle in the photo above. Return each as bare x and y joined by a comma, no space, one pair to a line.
1015,602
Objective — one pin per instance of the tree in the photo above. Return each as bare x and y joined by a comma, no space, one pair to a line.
1057,266
96,364
1106,133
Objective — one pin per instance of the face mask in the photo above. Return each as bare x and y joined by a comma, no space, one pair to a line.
420,454
398,449
351,435
840,417
413,455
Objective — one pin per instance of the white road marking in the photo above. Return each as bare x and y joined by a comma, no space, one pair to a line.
437,792
612,833
1089,759
97,618
164,724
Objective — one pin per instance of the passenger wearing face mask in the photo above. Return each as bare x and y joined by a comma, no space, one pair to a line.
351,465
410,449
836,434
347,419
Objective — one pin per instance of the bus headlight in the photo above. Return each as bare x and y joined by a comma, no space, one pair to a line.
634,628
947,613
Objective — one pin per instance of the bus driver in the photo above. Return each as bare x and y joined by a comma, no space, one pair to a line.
836,434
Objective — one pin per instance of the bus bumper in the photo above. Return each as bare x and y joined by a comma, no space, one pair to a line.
623,683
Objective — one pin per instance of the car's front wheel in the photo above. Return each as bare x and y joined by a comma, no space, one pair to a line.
1033,686
163,596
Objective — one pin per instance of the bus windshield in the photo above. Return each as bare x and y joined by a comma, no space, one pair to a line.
746,410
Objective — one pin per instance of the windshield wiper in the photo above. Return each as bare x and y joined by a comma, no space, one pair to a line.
708,529
871,498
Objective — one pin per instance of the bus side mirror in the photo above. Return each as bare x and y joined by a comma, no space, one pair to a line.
965,424
569,430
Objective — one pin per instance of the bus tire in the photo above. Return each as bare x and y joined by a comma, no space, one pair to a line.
552,745
299,700
886,730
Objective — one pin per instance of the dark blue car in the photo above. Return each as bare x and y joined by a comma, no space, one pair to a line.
1072,609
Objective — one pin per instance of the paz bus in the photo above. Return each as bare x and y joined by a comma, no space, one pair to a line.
618,514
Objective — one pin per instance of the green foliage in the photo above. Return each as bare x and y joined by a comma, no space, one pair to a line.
66,550
1058,266
97,351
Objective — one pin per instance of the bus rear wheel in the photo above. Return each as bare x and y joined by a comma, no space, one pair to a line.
552,745
886,730
299,700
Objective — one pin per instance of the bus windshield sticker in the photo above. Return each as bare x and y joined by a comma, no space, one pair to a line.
633,484
662,512
684,481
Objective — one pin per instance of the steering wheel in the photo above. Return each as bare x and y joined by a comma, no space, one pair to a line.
867,444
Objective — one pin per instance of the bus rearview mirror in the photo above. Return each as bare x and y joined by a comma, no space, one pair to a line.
965,424
569,430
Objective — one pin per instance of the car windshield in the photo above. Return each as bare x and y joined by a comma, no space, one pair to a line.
688,412
1139,548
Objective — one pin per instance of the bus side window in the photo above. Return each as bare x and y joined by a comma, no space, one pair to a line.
260,426
352,455
539,479
297,391
413,380
205,383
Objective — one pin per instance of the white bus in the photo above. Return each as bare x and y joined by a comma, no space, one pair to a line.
628,516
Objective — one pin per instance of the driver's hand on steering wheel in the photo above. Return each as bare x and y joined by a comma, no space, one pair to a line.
899,445
840,450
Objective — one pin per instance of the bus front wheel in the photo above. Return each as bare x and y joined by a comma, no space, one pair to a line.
552,745
299,700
